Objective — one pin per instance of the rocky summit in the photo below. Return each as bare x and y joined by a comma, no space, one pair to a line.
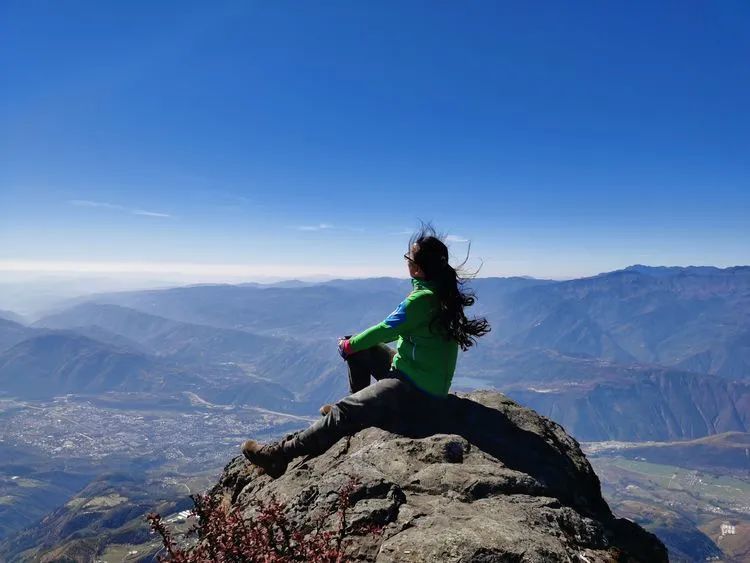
487,480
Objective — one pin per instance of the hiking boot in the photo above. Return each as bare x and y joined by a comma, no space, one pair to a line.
269,457
325,409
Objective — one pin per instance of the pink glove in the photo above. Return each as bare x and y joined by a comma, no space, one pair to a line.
345,348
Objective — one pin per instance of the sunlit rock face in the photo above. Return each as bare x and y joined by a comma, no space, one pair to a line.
487,480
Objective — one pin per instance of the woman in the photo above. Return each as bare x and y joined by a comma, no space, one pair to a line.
413,380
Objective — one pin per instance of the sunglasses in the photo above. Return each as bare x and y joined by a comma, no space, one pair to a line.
406,257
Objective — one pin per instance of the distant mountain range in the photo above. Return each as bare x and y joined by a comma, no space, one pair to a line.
322,310
695,318
159,335
692,318
11,316
58,363
54,363
12,332
648,404
639,353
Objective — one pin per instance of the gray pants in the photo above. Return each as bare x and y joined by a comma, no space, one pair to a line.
392,402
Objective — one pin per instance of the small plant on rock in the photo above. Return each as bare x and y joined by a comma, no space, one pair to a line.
223,535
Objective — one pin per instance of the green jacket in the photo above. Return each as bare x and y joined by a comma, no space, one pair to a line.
426,358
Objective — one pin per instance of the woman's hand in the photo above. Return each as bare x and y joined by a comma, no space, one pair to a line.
345,348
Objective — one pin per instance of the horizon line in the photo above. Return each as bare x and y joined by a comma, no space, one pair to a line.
243,273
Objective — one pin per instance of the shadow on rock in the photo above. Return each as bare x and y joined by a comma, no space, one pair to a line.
515,437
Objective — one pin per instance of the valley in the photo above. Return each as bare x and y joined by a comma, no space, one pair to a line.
701,514
75,447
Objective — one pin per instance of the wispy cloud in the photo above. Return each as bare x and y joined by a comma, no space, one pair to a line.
319,227
149,213
87,203
326,227
115,207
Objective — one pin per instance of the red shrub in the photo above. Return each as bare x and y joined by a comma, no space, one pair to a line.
225,536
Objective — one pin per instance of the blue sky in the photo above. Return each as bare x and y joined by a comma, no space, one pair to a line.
235,140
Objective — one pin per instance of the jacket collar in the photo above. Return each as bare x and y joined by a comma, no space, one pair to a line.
422,284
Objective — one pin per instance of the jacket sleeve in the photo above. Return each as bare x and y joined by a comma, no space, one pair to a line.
410,313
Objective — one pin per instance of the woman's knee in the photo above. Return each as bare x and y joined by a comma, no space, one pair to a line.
363,357
379,393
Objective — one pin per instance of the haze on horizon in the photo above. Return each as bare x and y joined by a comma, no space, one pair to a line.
250,142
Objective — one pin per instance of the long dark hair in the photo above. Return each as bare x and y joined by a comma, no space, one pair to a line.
432,257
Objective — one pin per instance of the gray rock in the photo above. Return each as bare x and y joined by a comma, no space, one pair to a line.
489,481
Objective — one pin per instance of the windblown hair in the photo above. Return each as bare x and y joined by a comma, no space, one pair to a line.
450,321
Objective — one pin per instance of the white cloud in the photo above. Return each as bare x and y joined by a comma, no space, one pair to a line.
325,227
319,227
105,205
87,203
149,213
